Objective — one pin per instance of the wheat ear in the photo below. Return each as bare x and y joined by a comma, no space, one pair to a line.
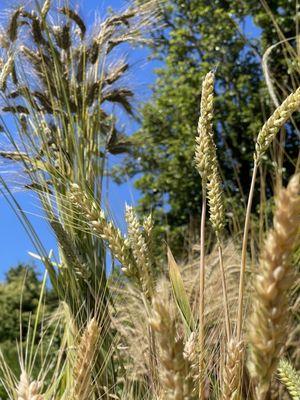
267,324
203,156
275,122
85,355
140,250
175,381
290,378
265,137
27,390
204,144
232,370
105,229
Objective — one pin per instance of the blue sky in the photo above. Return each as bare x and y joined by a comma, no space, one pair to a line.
14,243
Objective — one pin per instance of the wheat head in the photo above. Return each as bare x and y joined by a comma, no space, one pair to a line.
290,378
267,323
85,356
27,390
275,122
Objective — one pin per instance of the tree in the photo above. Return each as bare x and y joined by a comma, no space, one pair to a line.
199,36
19,298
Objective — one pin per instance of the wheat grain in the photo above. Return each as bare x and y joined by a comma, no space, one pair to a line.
267,324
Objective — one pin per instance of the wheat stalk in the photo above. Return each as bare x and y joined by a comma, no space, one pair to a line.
264,139
85,356
208,168
290,378
267,324
27,390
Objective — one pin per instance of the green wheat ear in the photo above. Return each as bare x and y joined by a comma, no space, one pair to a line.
290,378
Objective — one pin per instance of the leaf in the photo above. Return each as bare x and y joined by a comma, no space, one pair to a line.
180,294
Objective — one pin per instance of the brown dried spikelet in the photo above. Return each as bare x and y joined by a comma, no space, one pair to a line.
267,324
76,18
13,24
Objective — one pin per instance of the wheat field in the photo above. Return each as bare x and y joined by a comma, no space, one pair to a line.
223,326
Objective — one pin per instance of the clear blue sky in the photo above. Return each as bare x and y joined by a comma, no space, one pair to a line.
14,243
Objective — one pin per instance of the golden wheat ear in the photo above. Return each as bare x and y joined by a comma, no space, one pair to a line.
232,370
267,324
85,357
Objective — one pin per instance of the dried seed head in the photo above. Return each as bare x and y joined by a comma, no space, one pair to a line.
140,250
232,370
204,143
85,361
216,199
45,9
275,122
27,390
13,24
268,322
76,18
6,71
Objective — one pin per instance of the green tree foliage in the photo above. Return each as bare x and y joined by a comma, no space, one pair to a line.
19,298
199,35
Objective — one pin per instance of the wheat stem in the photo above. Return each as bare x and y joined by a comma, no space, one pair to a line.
201,296
244,254
224,291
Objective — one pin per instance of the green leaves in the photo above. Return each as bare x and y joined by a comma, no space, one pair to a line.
180,294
